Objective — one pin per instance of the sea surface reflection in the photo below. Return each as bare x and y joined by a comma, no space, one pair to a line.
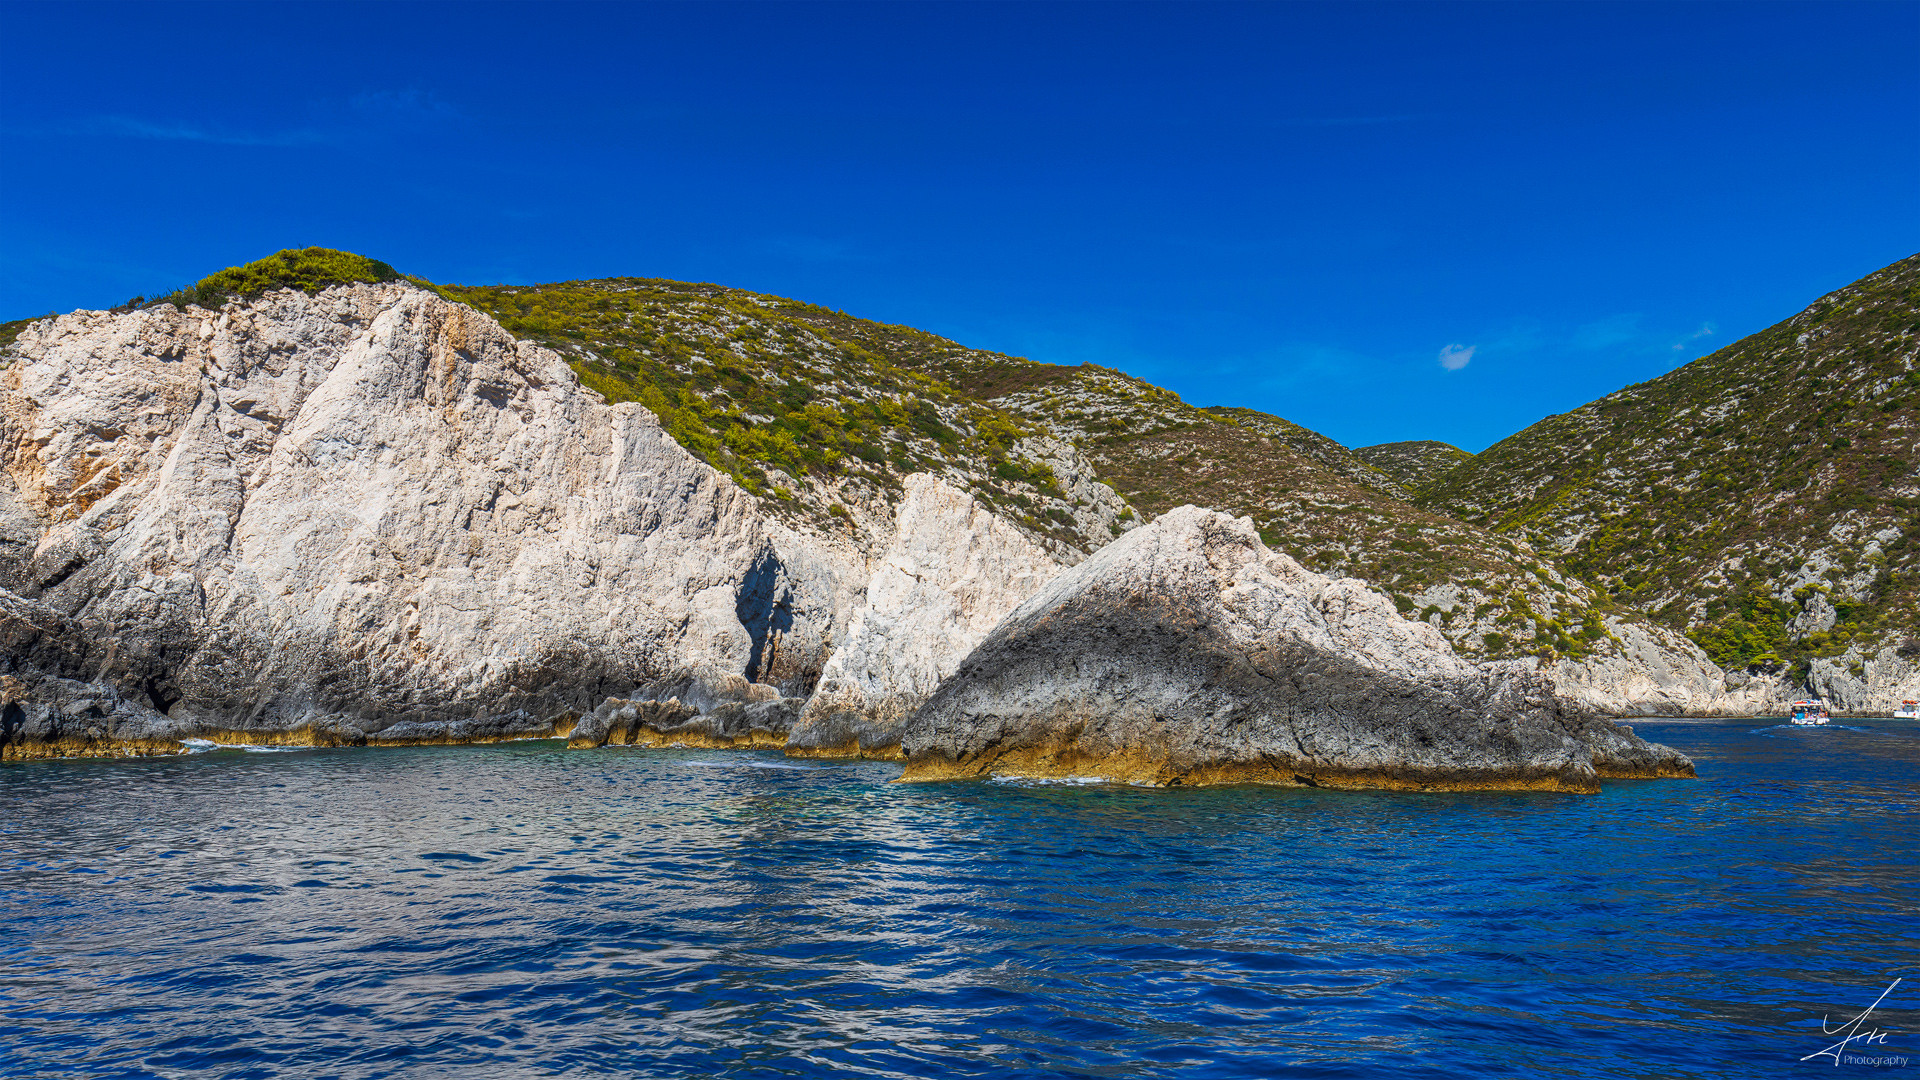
523,910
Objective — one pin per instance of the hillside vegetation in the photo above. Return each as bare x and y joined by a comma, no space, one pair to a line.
307,269
1762,499
11,330
1415,465
1308,495
799,404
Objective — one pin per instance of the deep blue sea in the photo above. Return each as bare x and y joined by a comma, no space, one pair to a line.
524,910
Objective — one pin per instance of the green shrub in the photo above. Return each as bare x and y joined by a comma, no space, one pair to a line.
11,330
307,269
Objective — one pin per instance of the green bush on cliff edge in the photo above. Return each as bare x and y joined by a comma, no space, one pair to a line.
307,269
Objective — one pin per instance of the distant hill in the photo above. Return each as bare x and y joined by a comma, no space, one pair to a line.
1310,444
1763,499
1414,465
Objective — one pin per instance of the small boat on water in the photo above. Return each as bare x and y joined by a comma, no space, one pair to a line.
1908,710
1809,713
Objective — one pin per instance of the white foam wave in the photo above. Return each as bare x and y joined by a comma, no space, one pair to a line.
1050,781
201,746
1814,727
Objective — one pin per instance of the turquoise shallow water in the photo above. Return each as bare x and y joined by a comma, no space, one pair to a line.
524,910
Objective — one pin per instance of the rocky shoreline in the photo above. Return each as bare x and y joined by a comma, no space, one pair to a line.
1189,653
372,517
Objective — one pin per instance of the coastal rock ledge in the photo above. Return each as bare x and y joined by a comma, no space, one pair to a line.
1186,652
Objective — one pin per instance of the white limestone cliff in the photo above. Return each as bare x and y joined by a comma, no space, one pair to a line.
952,572
367,508
1652,671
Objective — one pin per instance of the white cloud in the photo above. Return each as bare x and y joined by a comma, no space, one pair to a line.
141,129
1706,330
1454,357
1608,333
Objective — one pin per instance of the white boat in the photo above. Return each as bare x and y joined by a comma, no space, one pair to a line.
1908,710
1809,713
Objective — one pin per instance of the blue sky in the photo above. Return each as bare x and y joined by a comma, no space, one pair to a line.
1382,221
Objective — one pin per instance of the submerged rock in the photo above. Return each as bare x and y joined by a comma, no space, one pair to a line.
734,725
1187,652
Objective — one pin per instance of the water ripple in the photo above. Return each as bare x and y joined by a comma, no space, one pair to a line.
522,910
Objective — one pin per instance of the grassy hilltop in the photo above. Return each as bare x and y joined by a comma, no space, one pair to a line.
1414,464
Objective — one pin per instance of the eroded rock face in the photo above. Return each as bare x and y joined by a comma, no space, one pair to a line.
48,708
1653,671
952,571
729,726
1866,683
371,514
1187,652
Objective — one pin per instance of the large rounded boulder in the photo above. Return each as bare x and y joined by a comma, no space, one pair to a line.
1187,652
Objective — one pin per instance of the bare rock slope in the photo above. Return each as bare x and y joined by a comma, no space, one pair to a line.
1187,652
370,514
953,571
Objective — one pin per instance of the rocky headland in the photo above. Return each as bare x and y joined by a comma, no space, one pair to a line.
371,516
365,515
362,512
1189,653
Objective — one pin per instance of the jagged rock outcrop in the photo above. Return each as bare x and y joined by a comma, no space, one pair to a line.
1648,670
370,514
953,570
1865,683
1187,652
48,708
762,724
1652,671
